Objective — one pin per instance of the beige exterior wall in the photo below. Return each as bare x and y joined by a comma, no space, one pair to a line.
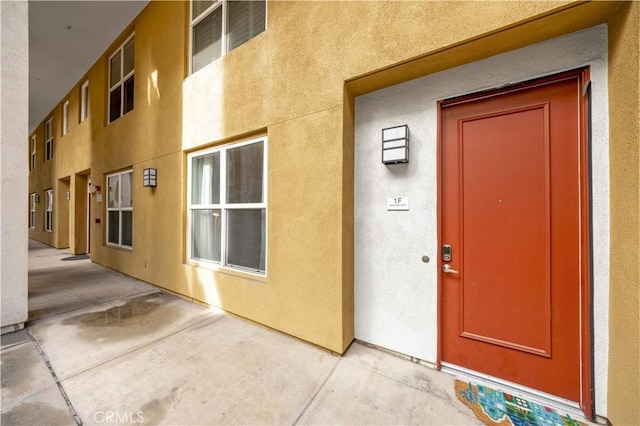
71,156
148,136
296,83
297,93
624,325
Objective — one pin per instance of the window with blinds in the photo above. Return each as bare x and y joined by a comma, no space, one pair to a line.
32,210
227,205
218,27
120,209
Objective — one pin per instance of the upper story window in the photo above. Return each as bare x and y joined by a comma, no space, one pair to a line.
120,209
121,80
48,140
32,159
65,118
227,206
218,27
84,101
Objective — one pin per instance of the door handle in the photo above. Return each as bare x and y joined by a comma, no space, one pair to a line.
447,269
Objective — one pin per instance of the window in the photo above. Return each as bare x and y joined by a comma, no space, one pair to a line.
48,140
227,206
32,160
65,118
84,101
120,209
218,27
48,212
32,210
121,80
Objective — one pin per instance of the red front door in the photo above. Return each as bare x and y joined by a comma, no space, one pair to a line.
510,211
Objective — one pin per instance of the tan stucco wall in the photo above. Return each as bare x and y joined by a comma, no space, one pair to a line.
71,155
295,83
148,136
624,325
299,65
302,62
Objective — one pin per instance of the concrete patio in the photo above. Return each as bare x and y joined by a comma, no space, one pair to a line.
103,348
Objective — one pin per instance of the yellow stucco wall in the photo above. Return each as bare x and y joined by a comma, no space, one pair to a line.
624,295
71,155
301,64
296,83
148,136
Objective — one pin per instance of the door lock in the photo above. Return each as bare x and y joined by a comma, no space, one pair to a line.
446,253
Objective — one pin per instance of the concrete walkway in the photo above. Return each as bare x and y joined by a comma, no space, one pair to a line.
103,348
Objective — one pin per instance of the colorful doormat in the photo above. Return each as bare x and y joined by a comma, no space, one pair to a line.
496,407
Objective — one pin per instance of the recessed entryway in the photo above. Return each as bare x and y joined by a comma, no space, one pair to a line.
512,188
396,293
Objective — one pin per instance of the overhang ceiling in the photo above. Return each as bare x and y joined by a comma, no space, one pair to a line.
65,39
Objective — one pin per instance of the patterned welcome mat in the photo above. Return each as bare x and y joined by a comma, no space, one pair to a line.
492,407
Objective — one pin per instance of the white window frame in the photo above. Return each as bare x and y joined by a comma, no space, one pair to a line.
32,157
120,83
225,17
48,140
65,118
48,212
224,206
84,101
119,209
32,210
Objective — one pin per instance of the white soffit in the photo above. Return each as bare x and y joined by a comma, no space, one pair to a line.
65,39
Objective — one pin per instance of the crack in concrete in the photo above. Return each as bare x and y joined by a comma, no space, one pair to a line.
313,398
67,401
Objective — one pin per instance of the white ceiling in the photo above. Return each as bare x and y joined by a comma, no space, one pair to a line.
65,39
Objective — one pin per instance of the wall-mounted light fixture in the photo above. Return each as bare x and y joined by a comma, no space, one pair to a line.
395,144
36,198
94,188
68,195
150,178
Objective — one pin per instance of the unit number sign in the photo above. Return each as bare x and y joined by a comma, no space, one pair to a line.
398,203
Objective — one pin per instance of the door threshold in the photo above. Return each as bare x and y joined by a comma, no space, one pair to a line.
569,407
